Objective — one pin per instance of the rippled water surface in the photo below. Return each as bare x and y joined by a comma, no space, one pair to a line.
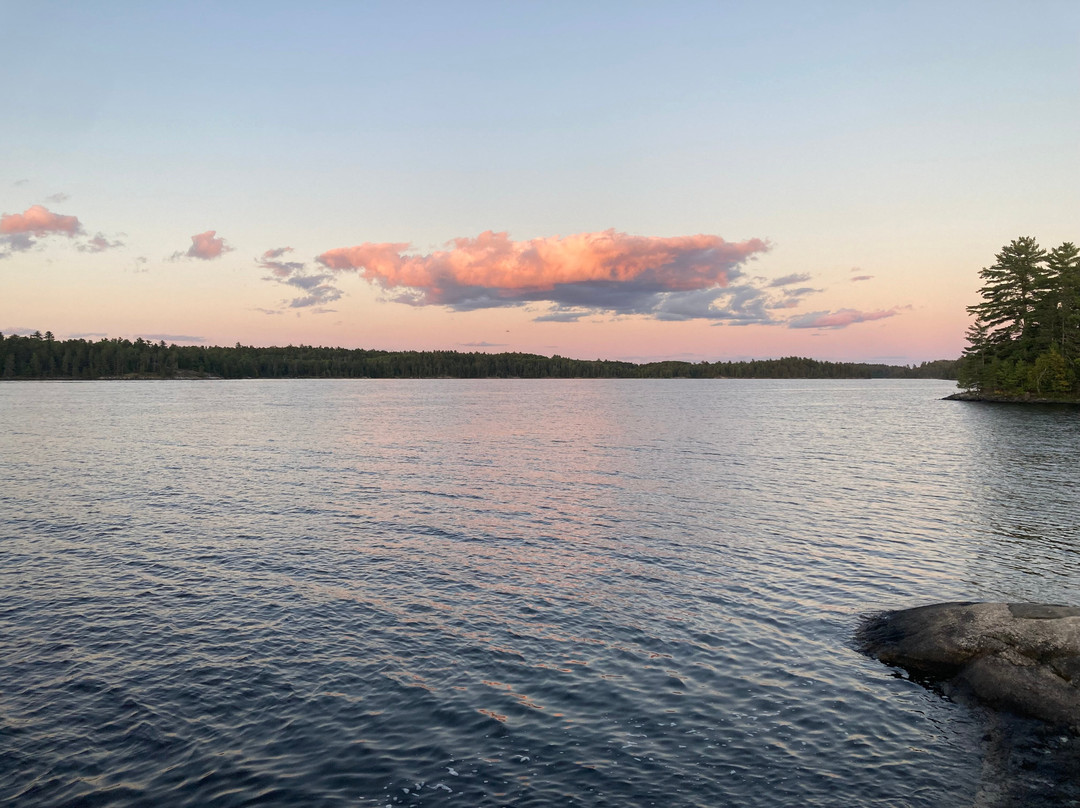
486,593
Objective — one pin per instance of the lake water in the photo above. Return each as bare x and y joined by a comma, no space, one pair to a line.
504,592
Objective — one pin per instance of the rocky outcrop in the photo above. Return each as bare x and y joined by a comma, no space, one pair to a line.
1023,658
1021,398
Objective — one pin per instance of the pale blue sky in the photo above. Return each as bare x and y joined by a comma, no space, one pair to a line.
907,140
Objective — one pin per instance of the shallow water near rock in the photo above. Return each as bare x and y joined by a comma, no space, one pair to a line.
507,592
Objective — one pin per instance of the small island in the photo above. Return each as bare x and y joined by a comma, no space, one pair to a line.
1024,346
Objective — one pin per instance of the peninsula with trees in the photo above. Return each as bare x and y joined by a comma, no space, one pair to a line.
1024,344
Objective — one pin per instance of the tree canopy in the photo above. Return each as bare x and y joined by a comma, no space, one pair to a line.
1025,339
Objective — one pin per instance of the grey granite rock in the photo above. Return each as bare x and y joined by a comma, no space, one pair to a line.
1022,658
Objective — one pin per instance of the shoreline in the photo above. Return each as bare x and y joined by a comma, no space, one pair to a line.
194,376
1001,398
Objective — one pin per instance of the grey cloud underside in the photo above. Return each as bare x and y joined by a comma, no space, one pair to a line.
562,316
23,242
746,302
736,304
319,290
16,242
306,282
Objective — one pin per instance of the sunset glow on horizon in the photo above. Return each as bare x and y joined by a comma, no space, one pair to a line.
686,181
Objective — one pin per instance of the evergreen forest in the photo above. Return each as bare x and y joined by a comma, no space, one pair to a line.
1025,340
42,356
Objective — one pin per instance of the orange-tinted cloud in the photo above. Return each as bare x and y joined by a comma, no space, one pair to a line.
39,221
607,271
206,246
839,319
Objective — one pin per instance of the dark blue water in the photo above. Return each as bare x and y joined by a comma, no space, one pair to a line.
486,593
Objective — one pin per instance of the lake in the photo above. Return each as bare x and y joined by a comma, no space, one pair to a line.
504,592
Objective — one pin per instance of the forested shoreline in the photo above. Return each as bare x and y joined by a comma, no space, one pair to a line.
41,356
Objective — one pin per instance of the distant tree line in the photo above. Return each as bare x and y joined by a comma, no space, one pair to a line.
42,356
1025,339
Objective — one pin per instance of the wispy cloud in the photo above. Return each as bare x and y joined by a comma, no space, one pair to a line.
861,278
20,183
99,243
482,344
787,280
172,338
280,269
589,272
559,314
841,318
204,246
318,289
792,297
58,198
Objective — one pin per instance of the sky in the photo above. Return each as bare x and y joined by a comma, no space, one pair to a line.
631,180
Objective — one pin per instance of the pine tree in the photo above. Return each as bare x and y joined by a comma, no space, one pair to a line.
1014,285
1063,266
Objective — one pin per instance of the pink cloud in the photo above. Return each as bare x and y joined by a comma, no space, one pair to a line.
608,270
39,221
206,247
839,319
861,278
